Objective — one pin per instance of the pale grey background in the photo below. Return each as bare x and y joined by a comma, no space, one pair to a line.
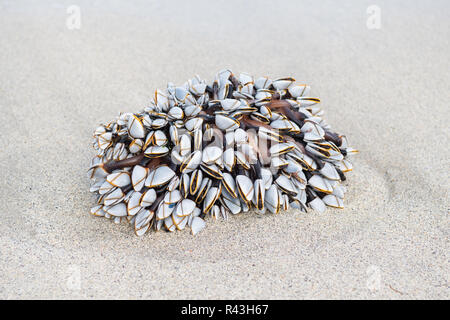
387,89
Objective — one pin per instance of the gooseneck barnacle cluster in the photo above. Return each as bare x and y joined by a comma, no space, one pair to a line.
236,144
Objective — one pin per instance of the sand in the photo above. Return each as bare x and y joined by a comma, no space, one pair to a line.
386,89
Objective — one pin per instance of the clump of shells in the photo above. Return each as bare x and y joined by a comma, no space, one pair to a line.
217,149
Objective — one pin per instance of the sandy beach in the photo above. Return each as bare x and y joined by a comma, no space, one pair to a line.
387,89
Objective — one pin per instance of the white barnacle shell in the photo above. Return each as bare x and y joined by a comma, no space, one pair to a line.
133,205
104,140
136,145
262,96
313,131
211,198
198,88
142,230
179,222
282,83
329,172
164,210
173,132
197,225
142,219
242,160
285,184
298,90
278,162
232,204
185,208
229,159
281,124
184,184
97,171
229,184
267,177
201,194
173,183
240,136
273,199
172,197
198,139
156,151
318,205
114,197
334,201
181,93
212,170
192,110
161,100
345,165
98,211
185,145
146,120
193,124
176,113
159,138
192,162
320,184
263,83
159,123
195,181
307,101
169,224
230,104
268,134
259,194
281,148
